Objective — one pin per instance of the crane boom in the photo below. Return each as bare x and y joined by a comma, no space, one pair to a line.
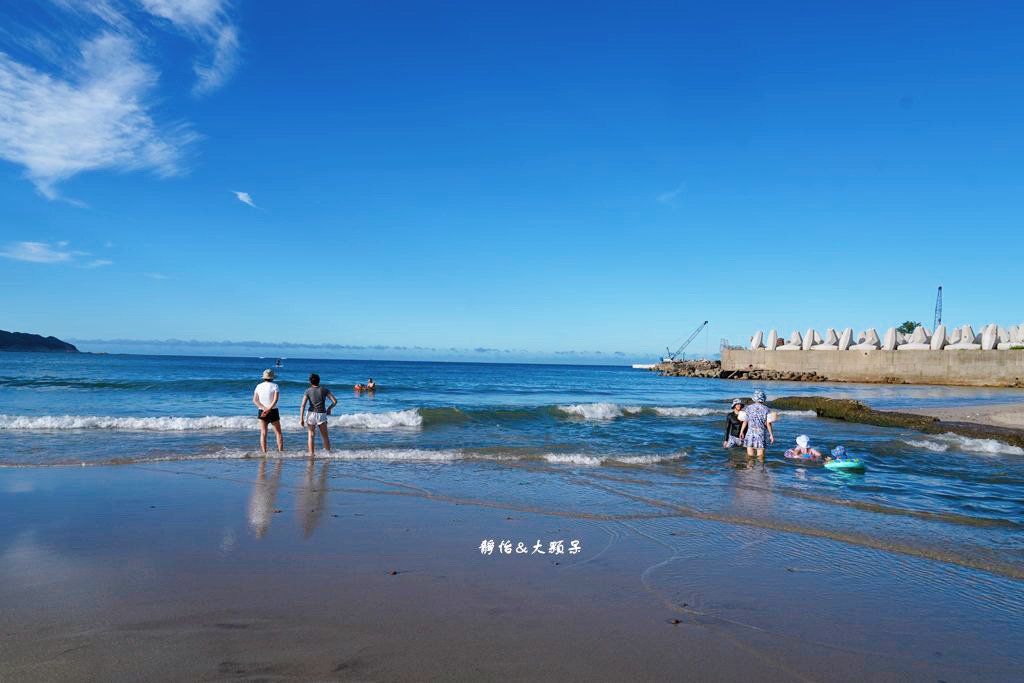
682,347
938,309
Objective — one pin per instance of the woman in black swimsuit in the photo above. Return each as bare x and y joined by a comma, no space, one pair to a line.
733,425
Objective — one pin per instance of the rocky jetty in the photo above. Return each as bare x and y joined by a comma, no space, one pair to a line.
690,368
774,375
712,369
22,341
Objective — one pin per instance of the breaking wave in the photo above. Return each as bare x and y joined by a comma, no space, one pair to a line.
598,460
599,411
412,455
373,421
611,411
395,419
944,442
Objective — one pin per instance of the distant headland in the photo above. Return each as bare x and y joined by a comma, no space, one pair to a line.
22,341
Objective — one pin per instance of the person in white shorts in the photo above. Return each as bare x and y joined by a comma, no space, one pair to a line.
316,397
266,396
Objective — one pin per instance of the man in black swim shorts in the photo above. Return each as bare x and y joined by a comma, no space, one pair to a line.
266,396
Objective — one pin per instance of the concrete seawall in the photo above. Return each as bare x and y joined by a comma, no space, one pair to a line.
965,368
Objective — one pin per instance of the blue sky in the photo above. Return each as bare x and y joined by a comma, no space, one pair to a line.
534,178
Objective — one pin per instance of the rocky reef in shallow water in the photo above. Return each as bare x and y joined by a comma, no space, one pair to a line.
849,410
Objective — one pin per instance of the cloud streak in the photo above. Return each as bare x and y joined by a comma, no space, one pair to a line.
245,198
95,120
37,252
44,252
671,198
207,23
76,96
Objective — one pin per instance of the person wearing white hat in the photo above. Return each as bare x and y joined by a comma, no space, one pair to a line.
266,396
803,447
733,425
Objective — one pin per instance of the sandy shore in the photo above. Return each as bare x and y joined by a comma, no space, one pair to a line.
995,414
237,571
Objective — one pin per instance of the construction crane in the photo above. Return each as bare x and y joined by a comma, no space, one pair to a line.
682,347
938,310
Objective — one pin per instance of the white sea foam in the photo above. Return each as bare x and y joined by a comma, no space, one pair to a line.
372,421
944,442
611,411
595,411
573,459
389,420
928,445
598,460
686,412
411,455
426,455
381,454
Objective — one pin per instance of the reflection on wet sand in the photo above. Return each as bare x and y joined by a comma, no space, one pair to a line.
311,497
264,492
753,492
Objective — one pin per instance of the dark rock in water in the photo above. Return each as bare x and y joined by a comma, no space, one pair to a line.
854,411
22,341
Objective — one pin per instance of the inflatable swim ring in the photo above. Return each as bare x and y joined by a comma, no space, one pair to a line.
793,455
851,465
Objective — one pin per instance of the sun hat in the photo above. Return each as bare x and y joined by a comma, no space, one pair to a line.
736,402
839,452
760,396
802,441
268,374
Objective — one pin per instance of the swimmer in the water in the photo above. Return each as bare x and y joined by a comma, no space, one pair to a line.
370,386
804,449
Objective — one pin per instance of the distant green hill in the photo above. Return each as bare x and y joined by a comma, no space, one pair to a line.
21,341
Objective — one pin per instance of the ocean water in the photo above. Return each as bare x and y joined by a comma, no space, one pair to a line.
607,442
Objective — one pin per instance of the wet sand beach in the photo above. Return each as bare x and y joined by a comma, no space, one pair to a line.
271,570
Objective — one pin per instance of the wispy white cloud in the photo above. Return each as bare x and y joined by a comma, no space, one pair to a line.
37,252
245,198
156,276
671,198
223,64
44,252
206,22
97,119
76,96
